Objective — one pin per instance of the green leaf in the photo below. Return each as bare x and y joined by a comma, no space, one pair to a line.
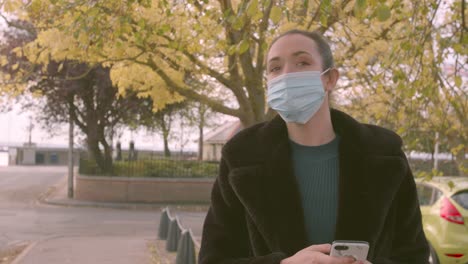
142,24
257,16
138,38
362,4
164,29
382,12
288,17
238,24
93,12
323,19
451,185
276,14
325,7
232,49
243,46
405,45
264,46
252,8
459,48
359,7
458,81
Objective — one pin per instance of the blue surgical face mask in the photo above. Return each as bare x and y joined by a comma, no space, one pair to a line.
296,96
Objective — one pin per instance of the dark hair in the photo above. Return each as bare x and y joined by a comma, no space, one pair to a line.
322,44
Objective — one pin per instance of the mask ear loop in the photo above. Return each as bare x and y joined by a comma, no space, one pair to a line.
325,71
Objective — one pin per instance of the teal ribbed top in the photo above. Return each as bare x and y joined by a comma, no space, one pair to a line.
317,172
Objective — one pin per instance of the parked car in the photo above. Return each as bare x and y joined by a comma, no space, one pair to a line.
444,208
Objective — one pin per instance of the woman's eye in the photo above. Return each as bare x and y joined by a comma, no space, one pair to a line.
303,63
273,69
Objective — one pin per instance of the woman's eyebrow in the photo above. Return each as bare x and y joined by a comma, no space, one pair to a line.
300,52
274,59
295,54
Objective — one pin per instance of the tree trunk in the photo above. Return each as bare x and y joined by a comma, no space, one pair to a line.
165,129
200,142
95,152
202,109
167,151
70,148
107,157
103,160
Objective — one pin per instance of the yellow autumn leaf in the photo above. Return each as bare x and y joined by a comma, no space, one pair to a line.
276,14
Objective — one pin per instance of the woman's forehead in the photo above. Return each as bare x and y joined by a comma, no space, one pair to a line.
291,44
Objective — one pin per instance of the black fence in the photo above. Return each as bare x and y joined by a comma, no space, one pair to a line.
186,165
152,165
445,167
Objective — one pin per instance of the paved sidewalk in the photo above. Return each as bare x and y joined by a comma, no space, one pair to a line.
115,249
103,250
57,195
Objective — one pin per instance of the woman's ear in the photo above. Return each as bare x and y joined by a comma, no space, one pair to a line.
332,79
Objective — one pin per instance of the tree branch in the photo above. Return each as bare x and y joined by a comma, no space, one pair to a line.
16,25
215,105
261,40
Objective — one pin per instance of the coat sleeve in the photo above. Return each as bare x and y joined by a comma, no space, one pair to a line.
409,244
225,238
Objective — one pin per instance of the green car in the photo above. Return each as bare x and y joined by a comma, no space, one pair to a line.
444,208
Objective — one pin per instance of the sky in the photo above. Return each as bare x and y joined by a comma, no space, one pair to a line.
14,131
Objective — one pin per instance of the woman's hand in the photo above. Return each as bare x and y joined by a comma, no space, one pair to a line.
318,254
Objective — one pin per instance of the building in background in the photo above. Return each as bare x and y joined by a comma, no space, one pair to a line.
216,139
33,154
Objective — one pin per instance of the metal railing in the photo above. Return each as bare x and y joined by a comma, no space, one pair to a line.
152,166
178,239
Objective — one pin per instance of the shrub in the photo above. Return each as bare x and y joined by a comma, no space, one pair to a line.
165,168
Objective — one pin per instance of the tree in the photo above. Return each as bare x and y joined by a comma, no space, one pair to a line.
416,83
225,43
92,102
161,121
392,52
67,88
15,69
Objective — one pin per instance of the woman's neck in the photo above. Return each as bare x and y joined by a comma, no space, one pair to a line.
317,131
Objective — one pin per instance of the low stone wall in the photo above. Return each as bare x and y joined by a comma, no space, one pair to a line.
148,190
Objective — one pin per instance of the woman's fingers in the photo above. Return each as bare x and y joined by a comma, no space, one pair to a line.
323,248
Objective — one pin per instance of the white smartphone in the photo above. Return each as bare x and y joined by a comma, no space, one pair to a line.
349,248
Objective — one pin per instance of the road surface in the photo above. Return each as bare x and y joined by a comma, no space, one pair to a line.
24,219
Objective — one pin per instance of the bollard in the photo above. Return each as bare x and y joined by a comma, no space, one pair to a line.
164,224
186,249
173,235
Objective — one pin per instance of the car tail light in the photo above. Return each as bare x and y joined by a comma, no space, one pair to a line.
450,213
454,255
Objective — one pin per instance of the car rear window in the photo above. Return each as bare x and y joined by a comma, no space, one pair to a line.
461,198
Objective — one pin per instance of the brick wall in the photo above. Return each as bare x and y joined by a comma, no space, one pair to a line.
150,190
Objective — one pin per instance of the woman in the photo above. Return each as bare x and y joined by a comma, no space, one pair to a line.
289,187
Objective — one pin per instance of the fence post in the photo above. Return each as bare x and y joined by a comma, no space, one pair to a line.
164,224
186,249
174,235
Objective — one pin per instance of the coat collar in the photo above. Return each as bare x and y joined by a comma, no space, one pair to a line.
273,195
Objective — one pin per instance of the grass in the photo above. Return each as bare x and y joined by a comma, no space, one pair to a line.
8,255
158,252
